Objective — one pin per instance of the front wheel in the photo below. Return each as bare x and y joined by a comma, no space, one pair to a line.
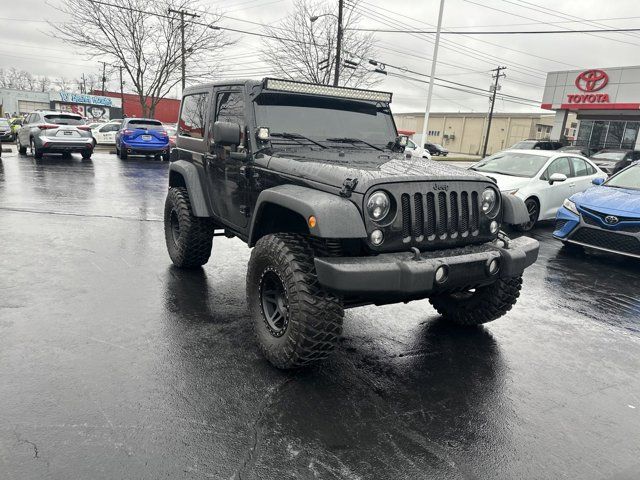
296,321
533,208
189,238
22,150
480,305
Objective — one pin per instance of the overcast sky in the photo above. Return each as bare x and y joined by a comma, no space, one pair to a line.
464,59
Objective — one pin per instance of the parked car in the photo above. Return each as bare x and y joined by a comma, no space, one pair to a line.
533,144
45,132
613,160
172,131
142,136
543,179
6,135
606,216
584,150
436,149
15,123
416,150
105,133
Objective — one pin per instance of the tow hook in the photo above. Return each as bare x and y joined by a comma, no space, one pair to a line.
416,254
503,236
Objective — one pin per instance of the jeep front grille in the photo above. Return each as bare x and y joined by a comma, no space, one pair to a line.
439,215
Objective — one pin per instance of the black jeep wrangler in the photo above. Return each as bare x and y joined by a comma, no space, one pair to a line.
316,180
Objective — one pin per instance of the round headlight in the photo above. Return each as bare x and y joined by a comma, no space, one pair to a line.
378,205
489,202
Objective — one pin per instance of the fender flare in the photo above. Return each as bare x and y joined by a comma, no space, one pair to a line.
189,174
514,211
337,217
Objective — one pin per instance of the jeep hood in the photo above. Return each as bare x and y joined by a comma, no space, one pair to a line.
616,201
369,167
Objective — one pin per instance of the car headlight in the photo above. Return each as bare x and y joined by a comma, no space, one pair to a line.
489,202
378,205
569,205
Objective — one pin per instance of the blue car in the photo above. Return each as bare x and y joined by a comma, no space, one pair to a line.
605,216
142,136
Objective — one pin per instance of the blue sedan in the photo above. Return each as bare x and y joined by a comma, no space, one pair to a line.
606,216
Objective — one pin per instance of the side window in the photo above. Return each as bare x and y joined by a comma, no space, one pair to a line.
31,118
230,108
411,145
559,165
579,167
590,169
193,115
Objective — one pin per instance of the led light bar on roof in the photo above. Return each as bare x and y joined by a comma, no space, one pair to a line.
327,90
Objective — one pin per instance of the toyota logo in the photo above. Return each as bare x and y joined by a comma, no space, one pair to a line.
611,219
592,80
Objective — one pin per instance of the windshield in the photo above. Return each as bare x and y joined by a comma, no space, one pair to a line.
438,146
604,155
320,119
524,145
629,178
64,119
512,163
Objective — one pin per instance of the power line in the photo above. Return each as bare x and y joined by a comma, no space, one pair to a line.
497,32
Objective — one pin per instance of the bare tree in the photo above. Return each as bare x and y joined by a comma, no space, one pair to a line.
306,50
143,38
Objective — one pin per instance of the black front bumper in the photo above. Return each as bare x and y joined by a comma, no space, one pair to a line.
403,274
6,136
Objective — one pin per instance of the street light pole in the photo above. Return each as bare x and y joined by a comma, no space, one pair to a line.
183,50
493,101
434,61
122,91
336,76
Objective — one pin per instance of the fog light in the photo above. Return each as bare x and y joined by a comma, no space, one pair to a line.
263,134
493,227
494,266
377,237
442,273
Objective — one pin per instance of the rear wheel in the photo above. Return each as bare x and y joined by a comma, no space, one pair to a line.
533,208
37,153
86,155
295,320
122,154
479,305
165,157
189,238
22,150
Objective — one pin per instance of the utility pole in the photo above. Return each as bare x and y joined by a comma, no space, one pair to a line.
182,13
336,76
493,101
120,67
84,84
434,61
104,75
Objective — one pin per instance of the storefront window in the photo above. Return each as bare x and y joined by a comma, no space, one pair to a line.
630,135
584,133
598,134
614,134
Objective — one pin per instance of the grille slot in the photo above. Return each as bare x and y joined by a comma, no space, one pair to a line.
430,229
418,227
406,215
607,239
439,215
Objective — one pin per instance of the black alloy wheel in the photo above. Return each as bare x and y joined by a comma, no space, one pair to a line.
274,303
533,208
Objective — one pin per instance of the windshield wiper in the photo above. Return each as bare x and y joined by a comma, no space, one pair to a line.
296,136
353,140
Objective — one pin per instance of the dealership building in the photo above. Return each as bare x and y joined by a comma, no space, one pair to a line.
606,102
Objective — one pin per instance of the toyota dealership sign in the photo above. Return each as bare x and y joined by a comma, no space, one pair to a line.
593,89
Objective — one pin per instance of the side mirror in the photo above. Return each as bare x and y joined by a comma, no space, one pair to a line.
226,133
402,140
597,181
557,177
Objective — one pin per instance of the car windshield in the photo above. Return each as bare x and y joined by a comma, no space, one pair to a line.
319,119
62,119
604,155
145,124
524,145
438,146
629,178
512,163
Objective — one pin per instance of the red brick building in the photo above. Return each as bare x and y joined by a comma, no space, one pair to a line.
166,111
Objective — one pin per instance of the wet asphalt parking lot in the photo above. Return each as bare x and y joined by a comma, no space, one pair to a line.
115,365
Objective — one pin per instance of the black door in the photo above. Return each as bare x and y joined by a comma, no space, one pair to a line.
228,183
